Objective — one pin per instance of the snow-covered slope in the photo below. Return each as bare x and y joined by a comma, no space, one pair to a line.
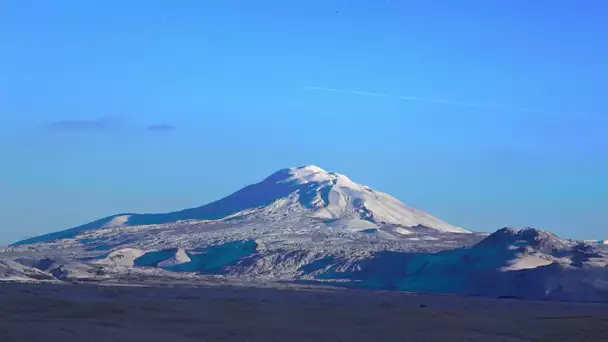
526,263
62,268
11,270
307,190
307,224
120,257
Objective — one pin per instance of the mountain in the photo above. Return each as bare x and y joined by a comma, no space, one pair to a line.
525,263
305,224
307,190
11,270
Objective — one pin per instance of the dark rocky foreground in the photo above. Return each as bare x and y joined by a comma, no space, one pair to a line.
53,312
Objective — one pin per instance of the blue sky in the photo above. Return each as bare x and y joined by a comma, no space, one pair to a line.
148,106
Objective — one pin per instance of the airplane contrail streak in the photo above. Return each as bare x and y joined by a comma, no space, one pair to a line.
419,99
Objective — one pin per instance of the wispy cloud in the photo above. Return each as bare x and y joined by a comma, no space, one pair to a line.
83,124
421,99
161,127
107,124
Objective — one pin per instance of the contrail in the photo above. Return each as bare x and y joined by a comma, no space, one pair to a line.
420,99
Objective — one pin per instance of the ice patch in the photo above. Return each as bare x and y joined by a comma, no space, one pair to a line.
352,224
402,231
117,221
179,257
121,257
526,262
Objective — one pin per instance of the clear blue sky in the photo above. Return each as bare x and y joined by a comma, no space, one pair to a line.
148,106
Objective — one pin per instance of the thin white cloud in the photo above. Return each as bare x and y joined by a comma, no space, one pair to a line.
420,99
161,127
101,124
106,123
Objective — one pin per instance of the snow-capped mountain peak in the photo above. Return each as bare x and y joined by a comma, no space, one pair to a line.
307,174
305,223
333,196
306,191
529,238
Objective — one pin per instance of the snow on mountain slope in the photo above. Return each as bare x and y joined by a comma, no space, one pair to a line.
120,257
307,224
525,263
308,191
14,271
179,257
64,268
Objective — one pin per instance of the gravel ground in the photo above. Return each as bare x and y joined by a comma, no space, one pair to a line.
56,312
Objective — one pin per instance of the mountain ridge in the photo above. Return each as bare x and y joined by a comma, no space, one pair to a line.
323,194
305,224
